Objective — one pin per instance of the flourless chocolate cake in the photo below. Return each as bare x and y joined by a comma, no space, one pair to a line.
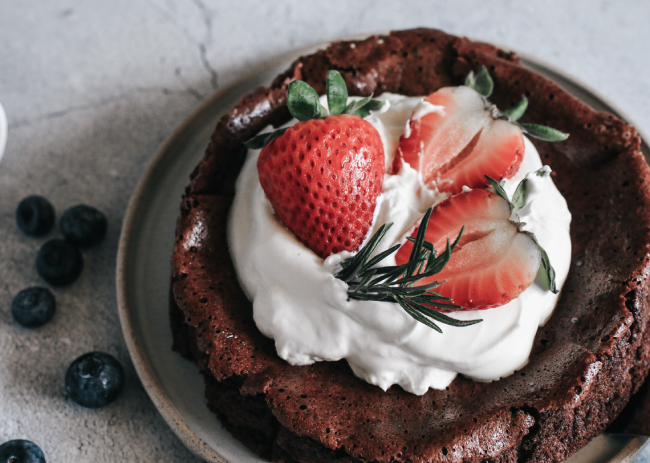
587,361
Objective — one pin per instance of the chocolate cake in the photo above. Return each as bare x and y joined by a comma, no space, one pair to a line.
586,362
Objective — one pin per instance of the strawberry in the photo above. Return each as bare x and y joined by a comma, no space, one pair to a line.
469,139
323,175
493,262
462,144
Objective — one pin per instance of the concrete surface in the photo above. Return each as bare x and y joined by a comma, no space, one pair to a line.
92,88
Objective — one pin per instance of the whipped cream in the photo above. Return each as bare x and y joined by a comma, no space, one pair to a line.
299,303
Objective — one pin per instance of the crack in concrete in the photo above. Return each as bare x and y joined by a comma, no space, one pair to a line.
172,20
207,22
188,88
214,78
205,61
86,106
202,45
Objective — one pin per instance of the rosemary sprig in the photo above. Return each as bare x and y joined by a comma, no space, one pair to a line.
395,283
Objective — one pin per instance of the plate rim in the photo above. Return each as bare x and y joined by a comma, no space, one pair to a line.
154,390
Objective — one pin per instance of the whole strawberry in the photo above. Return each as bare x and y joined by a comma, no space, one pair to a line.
323,175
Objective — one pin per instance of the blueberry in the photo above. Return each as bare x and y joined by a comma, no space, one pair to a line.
94,379
59,262
33,307
21,451
35,216
83,225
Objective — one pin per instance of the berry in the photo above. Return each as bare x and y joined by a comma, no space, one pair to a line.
33,307
94,379
83,225
461,144
35,216
21,451
492,264
322,177
59,262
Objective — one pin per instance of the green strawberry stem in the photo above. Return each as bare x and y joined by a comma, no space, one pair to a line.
517,203
483,84
304,104
515,112
395,284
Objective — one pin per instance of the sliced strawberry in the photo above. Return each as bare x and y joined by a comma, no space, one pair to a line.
462,144
492,264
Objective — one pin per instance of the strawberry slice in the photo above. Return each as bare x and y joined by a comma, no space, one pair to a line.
462,144
492,264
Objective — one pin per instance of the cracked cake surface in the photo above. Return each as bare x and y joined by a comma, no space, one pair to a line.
586,361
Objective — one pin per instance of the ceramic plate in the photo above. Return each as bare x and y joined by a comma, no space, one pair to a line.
143,276
3,131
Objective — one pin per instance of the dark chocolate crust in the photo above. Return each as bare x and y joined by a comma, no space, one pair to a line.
586,361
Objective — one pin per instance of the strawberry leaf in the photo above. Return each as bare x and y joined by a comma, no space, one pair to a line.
372,105
303,101
498,189
470,80
356,105
337,93
519,201
515,112
481,82
322,111
547,269
520,197
543,133
263,139
363,107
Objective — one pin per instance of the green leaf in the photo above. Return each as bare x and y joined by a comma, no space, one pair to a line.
441,317
322,111
419,238
337,93
498,189
356,264
372,105
417,316
484,84
263,139
515,112
548,272
395,283
257,142
470,80
357,105
303,102
381,256
520,197
544,133
457,240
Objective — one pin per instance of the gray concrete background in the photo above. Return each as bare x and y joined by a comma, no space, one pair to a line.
92,88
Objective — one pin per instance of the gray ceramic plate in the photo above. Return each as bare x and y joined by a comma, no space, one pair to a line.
143,272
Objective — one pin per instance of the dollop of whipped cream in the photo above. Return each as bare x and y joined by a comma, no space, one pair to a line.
299,303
